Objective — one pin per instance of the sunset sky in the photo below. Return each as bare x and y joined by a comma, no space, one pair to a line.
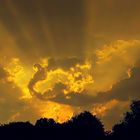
61,57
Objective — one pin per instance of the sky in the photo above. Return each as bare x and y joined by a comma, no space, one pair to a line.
61,57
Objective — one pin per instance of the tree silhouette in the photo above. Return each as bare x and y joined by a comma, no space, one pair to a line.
45,123
129,128
46,128
16,130
84,126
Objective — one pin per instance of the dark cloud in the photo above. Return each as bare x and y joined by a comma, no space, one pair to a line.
39,75
128,88
124,90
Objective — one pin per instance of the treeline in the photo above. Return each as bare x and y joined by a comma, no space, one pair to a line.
84,126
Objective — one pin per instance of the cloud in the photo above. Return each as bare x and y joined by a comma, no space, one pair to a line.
64,63
47,84
87,81
12,107
71,83
83,51
127,89
113,62
116,76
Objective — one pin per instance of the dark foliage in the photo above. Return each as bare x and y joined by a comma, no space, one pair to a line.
84,126
129,128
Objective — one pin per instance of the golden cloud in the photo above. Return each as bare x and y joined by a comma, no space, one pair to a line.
57,89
